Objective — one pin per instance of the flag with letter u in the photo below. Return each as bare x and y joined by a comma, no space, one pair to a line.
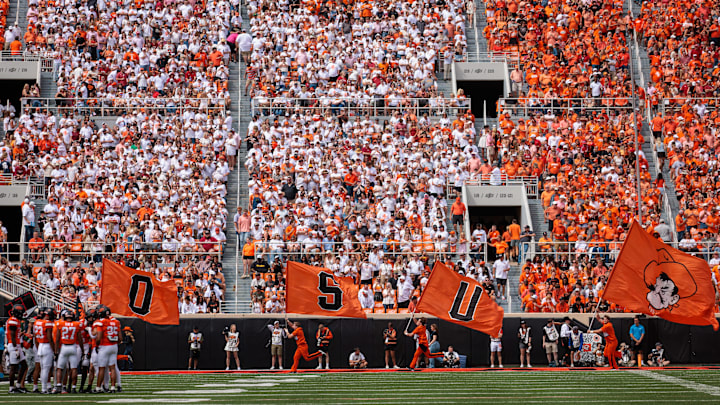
461,300
129,292
655,279
316,291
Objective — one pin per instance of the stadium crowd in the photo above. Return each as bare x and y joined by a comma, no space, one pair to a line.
153,181
365,196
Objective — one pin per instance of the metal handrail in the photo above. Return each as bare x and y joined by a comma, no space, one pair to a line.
116,248
526,106
705,248
266,106
15,285
115,106
531,183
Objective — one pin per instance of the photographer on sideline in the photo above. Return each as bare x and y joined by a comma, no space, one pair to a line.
195,339
357,359
657,356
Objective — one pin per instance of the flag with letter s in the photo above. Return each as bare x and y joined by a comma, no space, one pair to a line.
461,300
315,290
130,292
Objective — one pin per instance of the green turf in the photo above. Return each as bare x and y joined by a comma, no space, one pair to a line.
498,387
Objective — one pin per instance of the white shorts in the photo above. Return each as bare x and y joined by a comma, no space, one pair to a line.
94,359
68,357
107,356
15,354
495,347
44,355
86,357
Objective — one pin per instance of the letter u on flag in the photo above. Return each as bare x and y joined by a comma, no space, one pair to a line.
655,279
129,292
316,291
461,300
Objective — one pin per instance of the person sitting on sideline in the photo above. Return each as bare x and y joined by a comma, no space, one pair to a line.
451,358
357,359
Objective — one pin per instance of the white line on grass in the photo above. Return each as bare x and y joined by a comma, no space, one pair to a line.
153,400
695,386
201,392
246,384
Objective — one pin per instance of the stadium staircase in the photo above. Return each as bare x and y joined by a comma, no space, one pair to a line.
18,13
237,290
641,61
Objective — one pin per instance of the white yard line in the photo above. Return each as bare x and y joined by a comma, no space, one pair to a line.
695,386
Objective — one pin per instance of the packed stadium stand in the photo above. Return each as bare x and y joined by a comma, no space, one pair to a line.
210,142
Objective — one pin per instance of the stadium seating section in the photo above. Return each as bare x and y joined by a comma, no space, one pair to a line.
354,155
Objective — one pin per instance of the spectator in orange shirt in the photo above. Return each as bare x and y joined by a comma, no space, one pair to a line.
458,209
15,46
514,230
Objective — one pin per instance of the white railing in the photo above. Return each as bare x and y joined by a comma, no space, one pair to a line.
15,285
389,249
526,106
35,185
608,250
105,107
46,63
40,252
531,183
434,106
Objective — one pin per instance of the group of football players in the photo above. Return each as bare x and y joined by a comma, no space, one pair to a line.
70,344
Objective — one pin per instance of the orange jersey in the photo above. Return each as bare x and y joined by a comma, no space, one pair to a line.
84,333
42,330
420,333
609,333
13,331
67,332
111,332
299,336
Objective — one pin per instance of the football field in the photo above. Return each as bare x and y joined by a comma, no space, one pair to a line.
498,387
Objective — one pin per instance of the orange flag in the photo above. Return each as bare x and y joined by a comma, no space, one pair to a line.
130,292
316,291
461,300
655,279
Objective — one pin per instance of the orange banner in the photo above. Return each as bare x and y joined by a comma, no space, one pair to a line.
130,292
655,279
461,300
316,291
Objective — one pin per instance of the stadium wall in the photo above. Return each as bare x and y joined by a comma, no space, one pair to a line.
165,347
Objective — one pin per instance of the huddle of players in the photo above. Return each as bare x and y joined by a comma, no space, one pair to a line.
67,344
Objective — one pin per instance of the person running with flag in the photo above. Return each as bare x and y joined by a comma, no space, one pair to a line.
420,335
611,341
302,346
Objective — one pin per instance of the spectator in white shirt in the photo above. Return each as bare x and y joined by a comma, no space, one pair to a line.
365,296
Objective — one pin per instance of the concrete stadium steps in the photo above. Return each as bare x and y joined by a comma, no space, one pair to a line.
48,85
537,214
512,290
481,15
18,13
237,290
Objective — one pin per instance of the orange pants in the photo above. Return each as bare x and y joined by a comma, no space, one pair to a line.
302,351
611,354
422,349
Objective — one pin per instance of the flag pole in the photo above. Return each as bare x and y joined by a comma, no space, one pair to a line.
594,316
412,316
